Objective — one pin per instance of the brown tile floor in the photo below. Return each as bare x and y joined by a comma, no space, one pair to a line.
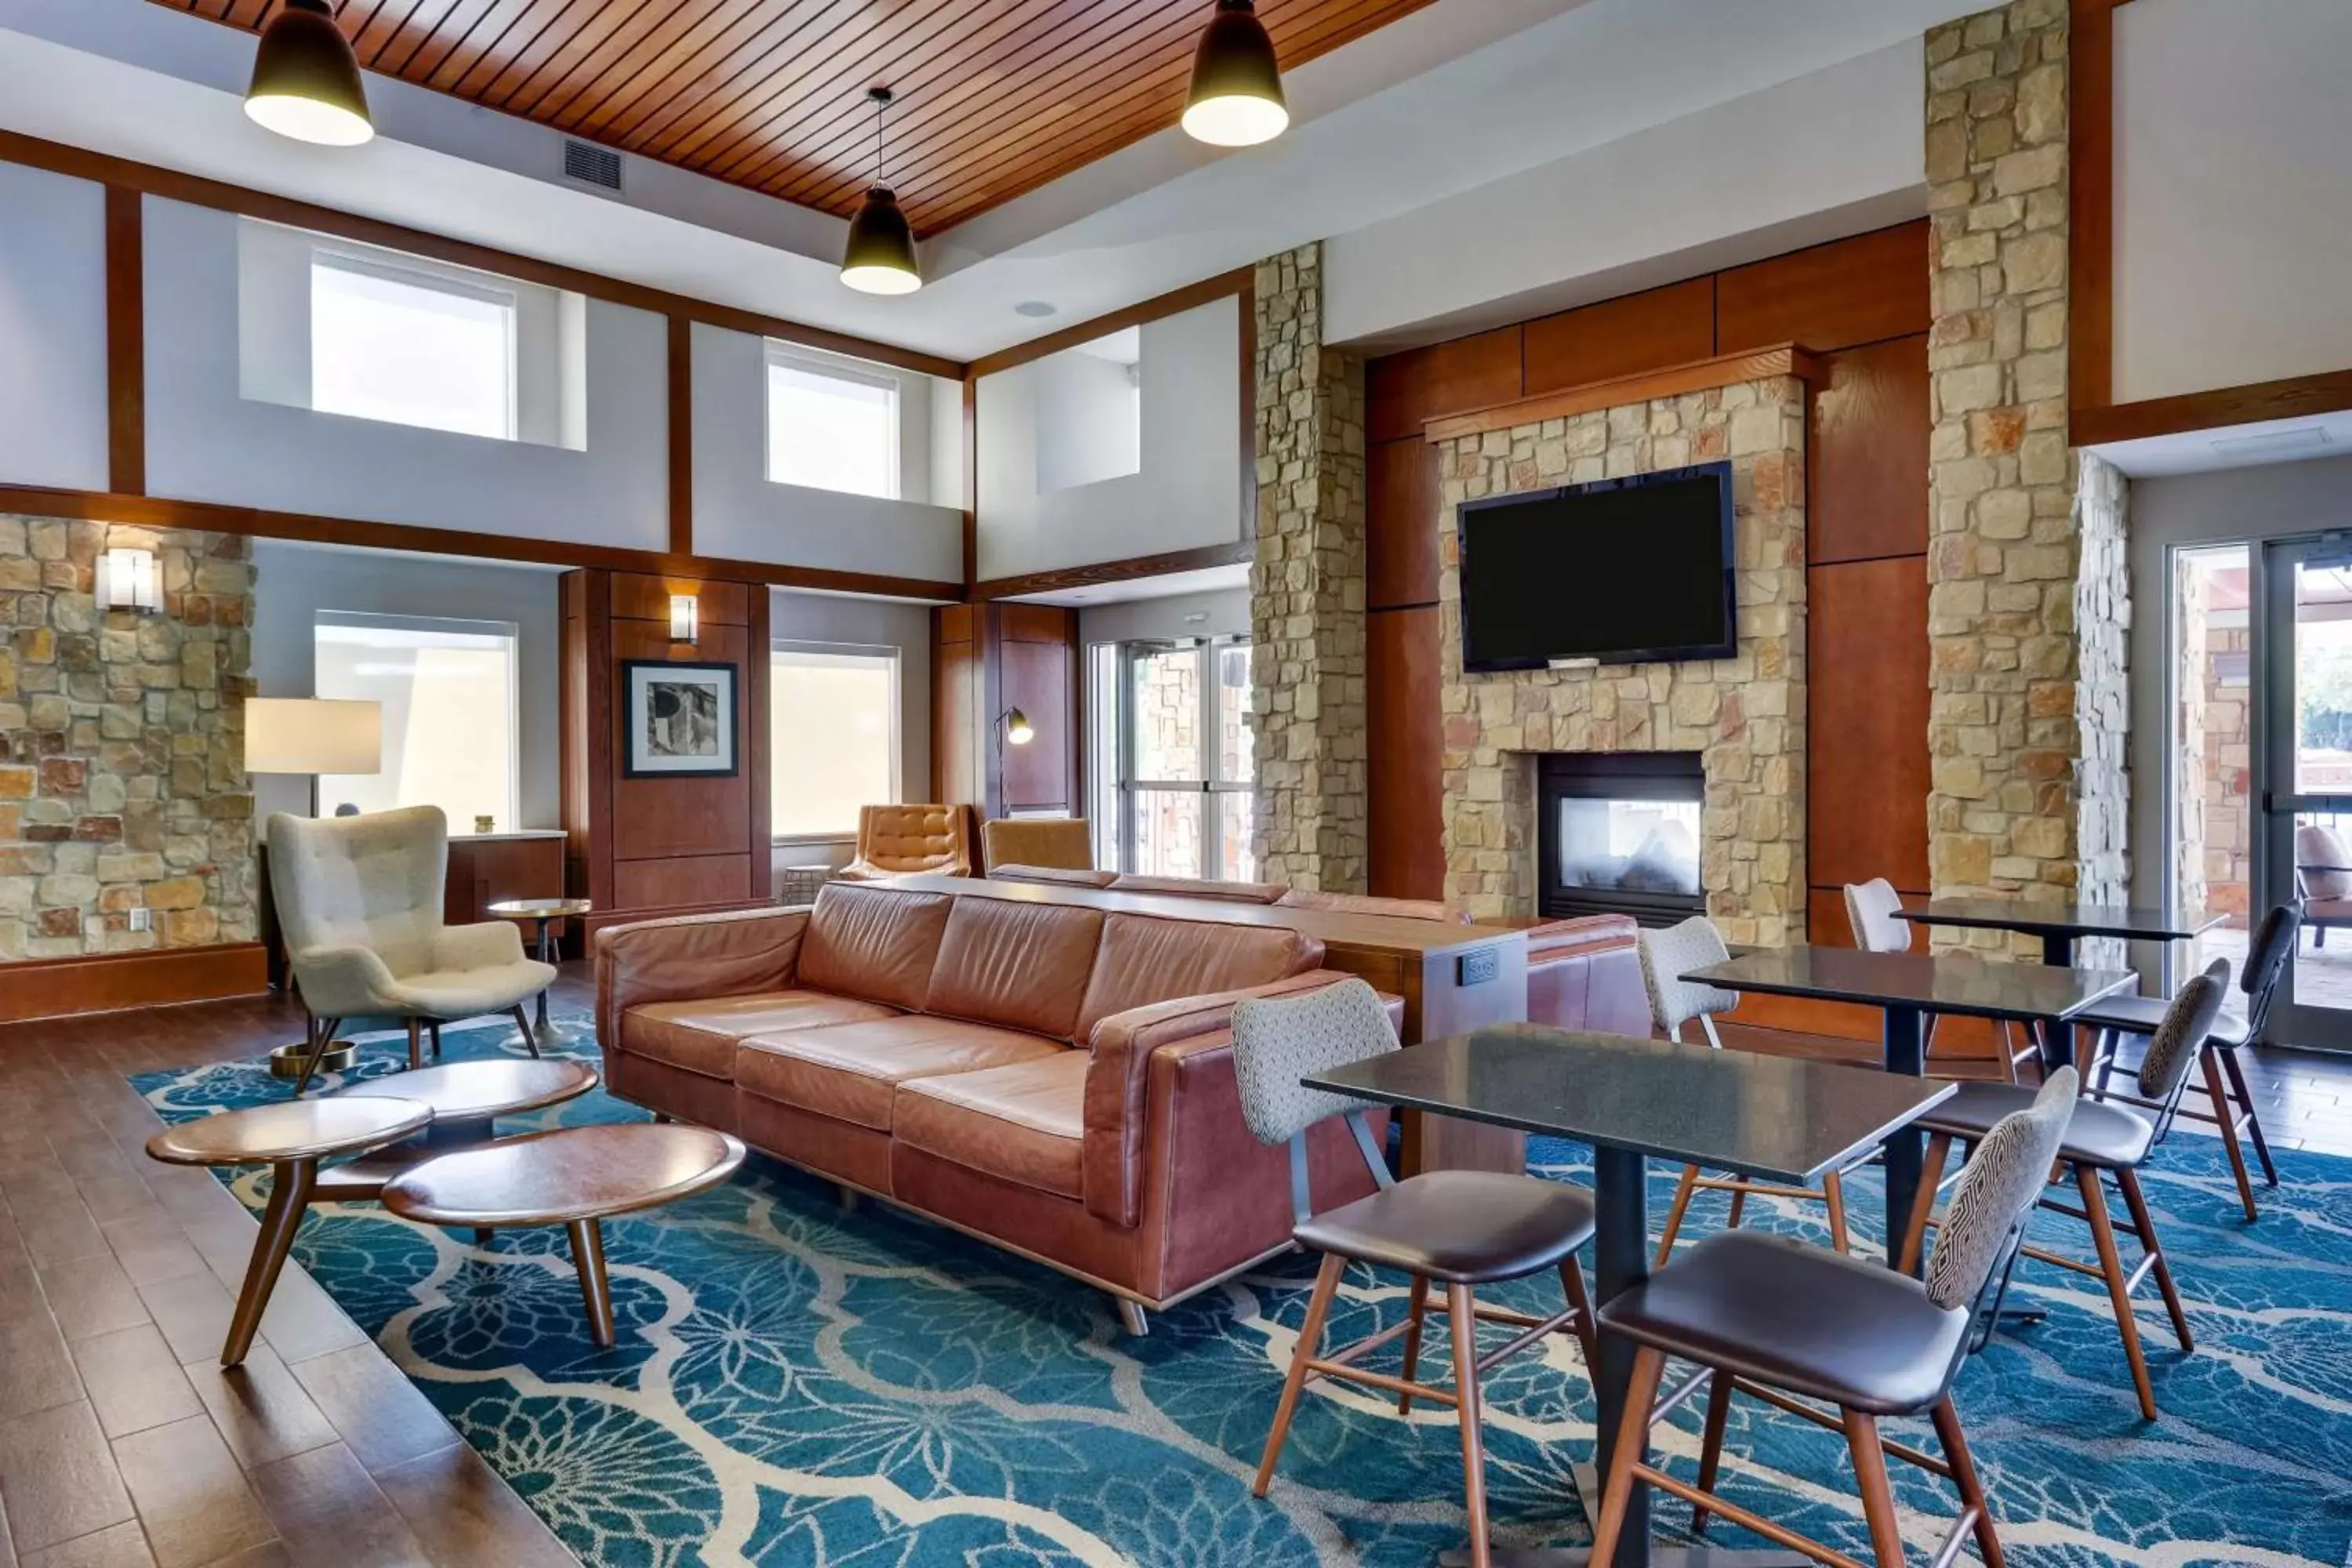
123,1444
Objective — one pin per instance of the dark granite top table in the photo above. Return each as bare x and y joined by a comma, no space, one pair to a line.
1946,983
1779,1118
2058,925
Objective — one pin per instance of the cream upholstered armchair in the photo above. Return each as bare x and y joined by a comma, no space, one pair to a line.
359,899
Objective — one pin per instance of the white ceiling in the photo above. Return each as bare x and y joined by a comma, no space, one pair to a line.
2238,446
1456,96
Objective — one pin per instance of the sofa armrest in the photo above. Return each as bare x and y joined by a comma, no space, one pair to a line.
1579,934
1119,1078
689,957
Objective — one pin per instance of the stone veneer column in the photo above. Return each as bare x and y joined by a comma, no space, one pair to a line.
2028,604
1306,589
121,744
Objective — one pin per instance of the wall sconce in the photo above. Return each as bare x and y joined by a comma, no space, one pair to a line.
1018,730
683,617
126,580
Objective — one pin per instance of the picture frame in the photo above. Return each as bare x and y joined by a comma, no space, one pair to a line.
678,720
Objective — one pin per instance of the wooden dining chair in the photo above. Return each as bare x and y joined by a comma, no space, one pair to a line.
1458,1229
1666,956
2221,1073
1791,1324
1871,911
2102,1142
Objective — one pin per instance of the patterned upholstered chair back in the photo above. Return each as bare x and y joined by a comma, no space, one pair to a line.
1669,954
1998,1191
1277,1040
2172,1049
2266,961
1870,910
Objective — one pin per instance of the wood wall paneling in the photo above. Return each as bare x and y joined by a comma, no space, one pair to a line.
484,870
1404,741
1866,720
108,983
1404,390
956,698
2297,397
126,341
987,658
1867,467
1670,381
1401,488
1672,325
1036,680
680,453
1835,296
2091,203
682,882
640,597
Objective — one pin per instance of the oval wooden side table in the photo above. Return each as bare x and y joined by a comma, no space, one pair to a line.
572,1176
465,1098
546,912
290,1137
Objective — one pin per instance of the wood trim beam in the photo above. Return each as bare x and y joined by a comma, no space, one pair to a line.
2091,203
196,191
2297,397
156,512
681,435
113,982
1674,380
1241,280
126,342
1100,571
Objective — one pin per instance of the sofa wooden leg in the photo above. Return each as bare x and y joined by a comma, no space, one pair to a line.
849,1198
1132,1317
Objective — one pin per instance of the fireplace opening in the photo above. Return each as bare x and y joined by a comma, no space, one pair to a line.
1618,832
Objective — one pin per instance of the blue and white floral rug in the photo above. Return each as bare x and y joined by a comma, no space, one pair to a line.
796,1385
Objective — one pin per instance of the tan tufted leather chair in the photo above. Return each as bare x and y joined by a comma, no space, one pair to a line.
902,840
1065,842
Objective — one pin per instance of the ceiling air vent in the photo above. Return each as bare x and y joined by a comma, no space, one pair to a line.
591,164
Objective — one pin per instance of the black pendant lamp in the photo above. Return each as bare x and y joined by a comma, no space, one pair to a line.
306,80
1236,97
880,256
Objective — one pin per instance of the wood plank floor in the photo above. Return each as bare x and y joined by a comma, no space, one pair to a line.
125,1444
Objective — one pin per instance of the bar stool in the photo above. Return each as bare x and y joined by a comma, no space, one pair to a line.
1666,956
1786,1322
2224,1077
2101,1140
1870,910
1461,1229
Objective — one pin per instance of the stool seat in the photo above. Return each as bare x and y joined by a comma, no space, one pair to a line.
2104,1135
2141,1015
1798,1317
1467,1227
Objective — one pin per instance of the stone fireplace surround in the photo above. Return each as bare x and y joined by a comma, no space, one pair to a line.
1744,715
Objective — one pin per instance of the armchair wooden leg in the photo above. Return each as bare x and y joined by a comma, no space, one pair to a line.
1632,1437
1418,1306
415,1044
1738,1203
1710,1446
1462,1317
1310,1339
435,1027
1682,1190
530,1034
321,1036
1833,1194
1588,1327
2136,1201
1931,1173
1964,1477
1877,1493
2224,1113
2111,1265
2236,1073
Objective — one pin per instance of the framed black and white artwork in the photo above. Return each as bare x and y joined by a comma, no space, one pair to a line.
679,718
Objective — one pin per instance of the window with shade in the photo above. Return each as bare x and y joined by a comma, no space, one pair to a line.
832,713
448,690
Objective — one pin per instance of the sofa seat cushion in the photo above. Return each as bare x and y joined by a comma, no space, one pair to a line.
852,1071
701,1036
1024,1123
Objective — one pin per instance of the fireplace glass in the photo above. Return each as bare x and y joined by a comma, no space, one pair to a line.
1628,845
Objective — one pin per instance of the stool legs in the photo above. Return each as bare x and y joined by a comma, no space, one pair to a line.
588,1257
1310,1339
2225,1114
290,1184
1418,1308
1964,1478
415,1044
2111,1266
1463,1318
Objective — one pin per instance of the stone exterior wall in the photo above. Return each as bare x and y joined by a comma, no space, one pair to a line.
2028,604
1306,590
2227,783
121,744
2192,608
1744,715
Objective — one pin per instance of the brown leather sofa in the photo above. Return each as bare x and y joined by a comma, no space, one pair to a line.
902,840
1056,1080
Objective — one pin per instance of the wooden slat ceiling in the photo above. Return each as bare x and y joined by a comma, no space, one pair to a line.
995,97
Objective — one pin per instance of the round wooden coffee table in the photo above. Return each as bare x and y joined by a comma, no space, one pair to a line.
464,1098
290,1137
546,912
572,1176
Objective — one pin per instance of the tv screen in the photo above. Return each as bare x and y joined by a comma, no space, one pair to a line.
1621,570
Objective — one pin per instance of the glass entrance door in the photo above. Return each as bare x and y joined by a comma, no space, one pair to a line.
2302,777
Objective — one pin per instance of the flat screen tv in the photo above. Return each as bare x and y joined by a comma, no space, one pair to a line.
1618,570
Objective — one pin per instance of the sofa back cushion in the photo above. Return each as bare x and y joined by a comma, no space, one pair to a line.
1201,888
1146,959
1359,904
1016,965
874,942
